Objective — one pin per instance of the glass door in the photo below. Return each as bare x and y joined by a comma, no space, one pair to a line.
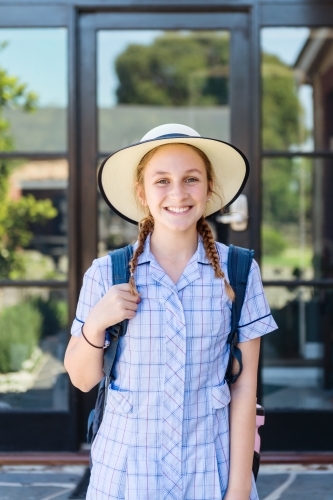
174,69
149,77
34,387
297,234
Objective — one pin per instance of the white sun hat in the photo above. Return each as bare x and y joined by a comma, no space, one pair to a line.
117,172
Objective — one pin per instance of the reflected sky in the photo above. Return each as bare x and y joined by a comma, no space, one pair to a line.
38,56
111,43
287,43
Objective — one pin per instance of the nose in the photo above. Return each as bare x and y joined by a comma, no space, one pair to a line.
178,192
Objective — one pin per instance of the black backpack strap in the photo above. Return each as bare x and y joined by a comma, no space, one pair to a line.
120,259
239,265
120,274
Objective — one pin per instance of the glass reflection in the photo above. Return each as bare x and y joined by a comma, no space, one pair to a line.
148,77
33,340
297,369
297,234
288,229
33,85
33,220
114,232
297,83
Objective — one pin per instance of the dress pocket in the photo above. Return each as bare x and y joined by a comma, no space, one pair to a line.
120,401
220,395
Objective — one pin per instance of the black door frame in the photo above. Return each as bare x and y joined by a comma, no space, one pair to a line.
301,430
282,431
47,430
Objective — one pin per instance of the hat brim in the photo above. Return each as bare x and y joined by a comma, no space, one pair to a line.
116,173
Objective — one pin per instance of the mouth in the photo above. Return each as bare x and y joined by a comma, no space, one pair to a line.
178,210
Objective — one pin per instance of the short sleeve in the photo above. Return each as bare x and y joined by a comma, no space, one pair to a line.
96,281
256,318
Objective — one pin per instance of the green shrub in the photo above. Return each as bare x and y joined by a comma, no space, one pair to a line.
273,243
20,331
54,314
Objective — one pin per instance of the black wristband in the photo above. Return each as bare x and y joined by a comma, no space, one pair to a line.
92,345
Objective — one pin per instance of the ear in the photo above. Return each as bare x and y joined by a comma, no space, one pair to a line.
141,195
210,189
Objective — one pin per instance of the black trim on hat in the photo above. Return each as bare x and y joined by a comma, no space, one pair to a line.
171,136
106,199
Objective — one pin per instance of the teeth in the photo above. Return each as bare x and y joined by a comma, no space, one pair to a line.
178,209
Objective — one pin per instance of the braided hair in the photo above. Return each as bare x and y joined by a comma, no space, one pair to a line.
210,248
145,228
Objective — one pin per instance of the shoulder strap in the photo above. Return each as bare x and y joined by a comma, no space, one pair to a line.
120,259
239,265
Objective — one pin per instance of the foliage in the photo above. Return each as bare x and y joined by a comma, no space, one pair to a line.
282,114
54,314
175,70
282,190
20,329
15,215
13,94
273,241
15,218
283,127
22,326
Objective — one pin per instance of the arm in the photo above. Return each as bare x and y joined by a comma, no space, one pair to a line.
83,362
242,423
80,355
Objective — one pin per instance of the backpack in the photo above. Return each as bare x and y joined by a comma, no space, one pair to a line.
120,259
239,264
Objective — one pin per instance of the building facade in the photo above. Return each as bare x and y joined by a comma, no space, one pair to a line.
79,80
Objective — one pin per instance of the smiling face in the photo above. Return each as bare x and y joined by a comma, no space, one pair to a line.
175,187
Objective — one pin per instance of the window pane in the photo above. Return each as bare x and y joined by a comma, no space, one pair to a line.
33,220
297,369
113,231
297,233
33,68
33,340
146,78
297,83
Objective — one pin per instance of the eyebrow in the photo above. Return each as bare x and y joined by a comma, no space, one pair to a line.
187,172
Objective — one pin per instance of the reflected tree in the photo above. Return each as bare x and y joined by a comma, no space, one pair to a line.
283,120
175,70
283,128
15,215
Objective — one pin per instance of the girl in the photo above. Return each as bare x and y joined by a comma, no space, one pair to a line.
165,434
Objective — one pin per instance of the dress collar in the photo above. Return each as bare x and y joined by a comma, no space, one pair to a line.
146,256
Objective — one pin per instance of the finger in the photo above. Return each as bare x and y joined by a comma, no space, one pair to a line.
124,287
128,296
130,306
130,315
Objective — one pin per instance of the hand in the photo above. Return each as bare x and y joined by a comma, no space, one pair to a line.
116,305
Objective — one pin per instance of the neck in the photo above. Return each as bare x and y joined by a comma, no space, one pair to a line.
173,246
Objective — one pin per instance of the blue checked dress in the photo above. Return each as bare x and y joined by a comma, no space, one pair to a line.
165,433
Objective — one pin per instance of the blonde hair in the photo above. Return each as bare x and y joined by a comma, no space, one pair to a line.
146,225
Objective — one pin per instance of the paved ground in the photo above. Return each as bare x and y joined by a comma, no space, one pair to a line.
274,483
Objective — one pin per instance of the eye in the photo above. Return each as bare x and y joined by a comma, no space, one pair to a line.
191,179
162,181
